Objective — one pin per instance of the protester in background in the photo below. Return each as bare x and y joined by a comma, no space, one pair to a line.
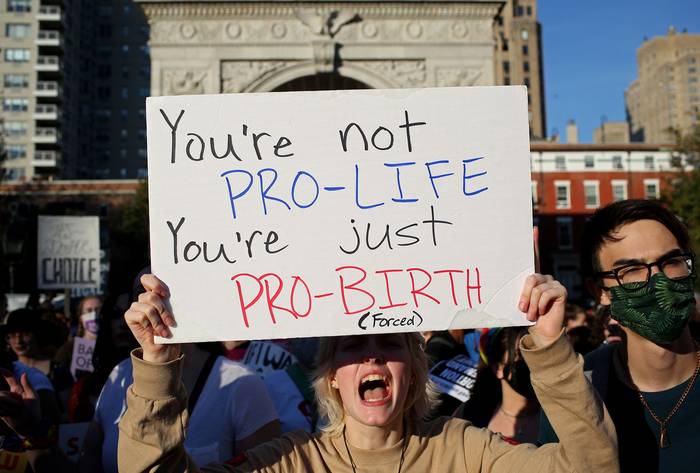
373,391
638,263
114,343
32,338
235,349
30,415
503,399
445,344
88,323
291,389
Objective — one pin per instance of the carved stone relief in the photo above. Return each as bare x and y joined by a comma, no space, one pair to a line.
183,81
457,76
236,76
403,73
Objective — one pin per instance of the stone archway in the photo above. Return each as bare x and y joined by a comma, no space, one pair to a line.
321,81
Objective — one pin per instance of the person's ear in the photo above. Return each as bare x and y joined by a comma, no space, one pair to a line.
500,371
601,295
334,383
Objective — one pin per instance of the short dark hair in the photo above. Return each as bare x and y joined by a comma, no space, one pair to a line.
599,229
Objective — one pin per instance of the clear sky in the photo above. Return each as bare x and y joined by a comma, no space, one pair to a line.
590,54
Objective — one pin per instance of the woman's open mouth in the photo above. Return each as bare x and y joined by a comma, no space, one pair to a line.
374,389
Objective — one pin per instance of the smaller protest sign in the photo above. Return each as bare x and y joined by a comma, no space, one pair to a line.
68,252
82,356
70,438
12,462
265,356
455,377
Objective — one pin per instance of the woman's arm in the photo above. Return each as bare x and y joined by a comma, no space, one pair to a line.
587,440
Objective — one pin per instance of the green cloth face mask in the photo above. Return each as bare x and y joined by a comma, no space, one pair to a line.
657,311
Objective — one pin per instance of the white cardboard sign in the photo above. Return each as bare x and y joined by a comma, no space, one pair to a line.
82,356
68,253
340,212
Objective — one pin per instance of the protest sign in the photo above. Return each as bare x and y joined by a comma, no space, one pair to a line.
70,439
326,213
455,377
82,356
68,253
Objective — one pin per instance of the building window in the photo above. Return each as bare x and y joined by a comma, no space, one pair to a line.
16,151
14,174
529,10
651,188
588,161
649,163
617,162
15,105
526,81
15,128
591,190
619,190
533,187
525,50
519,11
506,67
104,71
19,5
16,81
17,30
524,35
17,55
560,163
526,66
564,232
563,194
125,93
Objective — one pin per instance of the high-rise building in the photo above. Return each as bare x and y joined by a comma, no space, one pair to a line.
74,74
612,133
666,93
518,57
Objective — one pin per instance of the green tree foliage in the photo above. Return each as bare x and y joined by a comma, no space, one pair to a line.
134,217
683,196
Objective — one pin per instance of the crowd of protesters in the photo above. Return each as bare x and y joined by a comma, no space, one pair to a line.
321,405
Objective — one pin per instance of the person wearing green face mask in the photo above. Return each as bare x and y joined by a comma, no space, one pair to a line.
638,263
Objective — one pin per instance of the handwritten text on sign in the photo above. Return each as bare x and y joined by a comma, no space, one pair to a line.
68,252
325,213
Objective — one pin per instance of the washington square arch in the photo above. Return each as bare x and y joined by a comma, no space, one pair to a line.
261,46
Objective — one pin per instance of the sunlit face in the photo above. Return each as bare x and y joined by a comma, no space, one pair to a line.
22,343
373,376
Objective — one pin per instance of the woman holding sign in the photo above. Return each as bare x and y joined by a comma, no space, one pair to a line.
373,391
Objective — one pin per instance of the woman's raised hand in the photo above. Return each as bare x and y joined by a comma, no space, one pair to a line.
149,317
543,300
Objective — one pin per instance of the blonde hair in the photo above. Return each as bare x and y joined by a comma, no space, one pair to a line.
422,394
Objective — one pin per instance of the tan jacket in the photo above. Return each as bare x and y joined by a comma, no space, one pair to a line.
153,429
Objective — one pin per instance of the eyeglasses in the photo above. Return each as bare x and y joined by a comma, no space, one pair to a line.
673,266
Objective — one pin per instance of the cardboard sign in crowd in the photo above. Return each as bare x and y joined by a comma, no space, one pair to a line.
342,212
68,252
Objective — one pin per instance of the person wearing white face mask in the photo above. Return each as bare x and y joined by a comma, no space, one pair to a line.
373,391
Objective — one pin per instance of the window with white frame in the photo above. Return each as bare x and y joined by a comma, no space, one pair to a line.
560,163
17,30
17,55
562,190
619,189
591,191
19,5
651,188
16,81
588,161
649,163
617,162
15,128
564,232
15,104
16,151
